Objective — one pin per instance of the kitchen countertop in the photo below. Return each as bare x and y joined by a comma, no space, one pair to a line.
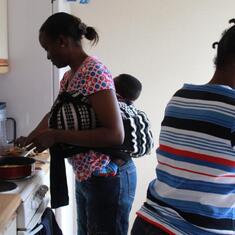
44,156
10,202
8,205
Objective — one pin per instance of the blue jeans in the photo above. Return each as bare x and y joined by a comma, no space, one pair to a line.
104,203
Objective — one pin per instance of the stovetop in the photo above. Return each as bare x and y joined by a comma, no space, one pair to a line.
6,186
25,186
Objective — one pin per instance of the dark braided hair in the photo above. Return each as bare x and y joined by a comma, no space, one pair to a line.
225,47
62,23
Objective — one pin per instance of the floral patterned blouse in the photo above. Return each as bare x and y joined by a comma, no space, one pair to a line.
91,77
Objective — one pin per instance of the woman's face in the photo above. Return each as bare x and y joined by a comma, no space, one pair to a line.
56,51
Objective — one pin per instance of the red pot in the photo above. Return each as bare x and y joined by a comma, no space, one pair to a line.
16,167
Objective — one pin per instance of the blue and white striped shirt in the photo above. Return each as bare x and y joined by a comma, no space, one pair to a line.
194,192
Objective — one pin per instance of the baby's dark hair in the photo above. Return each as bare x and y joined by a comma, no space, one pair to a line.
225,47
62,23
127,86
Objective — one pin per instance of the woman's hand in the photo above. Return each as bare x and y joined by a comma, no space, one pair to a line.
21,142
42,141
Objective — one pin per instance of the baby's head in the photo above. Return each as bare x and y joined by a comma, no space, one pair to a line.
127,87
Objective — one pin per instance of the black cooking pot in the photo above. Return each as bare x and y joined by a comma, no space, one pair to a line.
16,167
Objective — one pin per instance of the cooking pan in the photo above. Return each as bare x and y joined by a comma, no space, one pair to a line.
16,167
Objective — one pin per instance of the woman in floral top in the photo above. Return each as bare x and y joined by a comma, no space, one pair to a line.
103,203
91,77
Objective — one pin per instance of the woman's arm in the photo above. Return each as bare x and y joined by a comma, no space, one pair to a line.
110,133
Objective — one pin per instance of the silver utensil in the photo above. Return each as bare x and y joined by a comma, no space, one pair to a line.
29,152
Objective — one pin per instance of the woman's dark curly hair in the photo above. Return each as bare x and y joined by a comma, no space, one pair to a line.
225,47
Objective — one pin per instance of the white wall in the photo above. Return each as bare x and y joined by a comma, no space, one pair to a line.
27,88
31,84
164,43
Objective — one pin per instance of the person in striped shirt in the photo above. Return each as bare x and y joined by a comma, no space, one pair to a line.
194,189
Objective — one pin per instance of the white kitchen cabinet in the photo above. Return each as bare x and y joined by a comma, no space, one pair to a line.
10,228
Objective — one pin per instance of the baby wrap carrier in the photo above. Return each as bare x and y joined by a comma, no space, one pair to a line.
72,111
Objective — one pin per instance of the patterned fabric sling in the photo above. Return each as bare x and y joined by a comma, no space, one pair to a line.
138,135
71,111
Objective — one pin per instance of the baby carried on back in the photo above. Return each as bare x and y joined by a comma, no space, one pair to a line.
72,111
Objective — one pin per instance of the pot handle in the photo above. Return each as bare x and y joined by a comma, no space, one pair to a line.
13,121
